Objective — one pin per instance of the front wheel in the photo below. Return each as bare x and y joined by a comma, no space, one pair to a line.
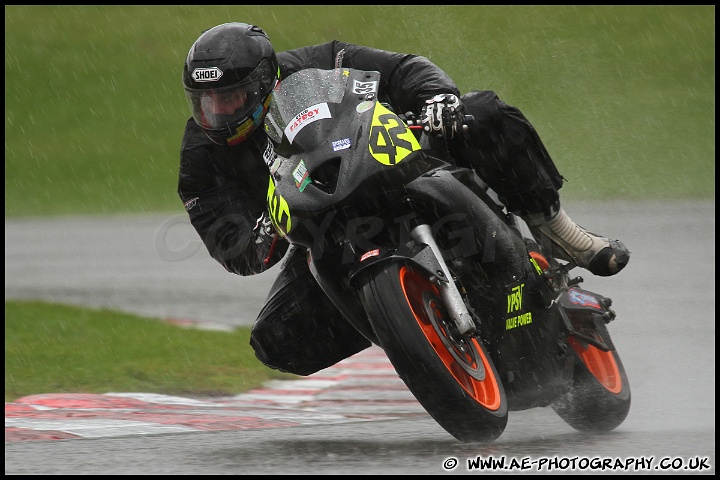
452,376
599,399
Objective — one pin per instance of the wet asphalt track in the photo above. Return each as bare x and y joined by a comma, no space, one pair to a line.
155,265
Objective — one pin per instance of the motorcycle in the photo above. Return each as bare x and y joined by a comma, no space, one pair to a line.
421,258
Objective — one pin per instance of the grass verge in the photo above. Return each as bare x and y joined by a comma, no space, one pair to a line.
62,349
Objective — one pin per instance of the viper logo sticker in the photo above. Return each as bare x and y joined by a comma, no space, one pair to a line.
390,139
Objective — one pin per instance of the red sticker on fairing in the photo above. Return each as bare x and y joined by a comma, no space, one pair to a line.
305,118
371,253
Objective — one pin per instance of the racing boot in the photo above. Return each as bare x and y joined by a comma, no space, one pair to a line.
570,242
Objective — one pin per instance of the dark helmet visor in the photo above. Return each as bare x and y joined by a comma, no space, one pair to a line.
219,108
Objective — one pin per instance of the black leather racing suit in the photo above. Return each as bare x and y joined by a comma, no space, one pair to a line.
224,189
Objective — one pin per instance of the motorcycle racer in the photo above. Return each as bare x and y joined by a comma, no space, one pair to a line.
229,76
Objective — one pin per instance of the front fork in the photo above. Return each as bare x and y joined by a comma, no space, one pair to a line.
448,290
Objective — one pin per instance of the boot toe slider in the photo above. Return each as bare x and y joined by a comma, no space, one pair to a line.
610,260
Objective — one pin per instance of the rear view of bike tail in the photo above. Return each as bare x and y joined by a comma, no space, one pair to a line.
598,399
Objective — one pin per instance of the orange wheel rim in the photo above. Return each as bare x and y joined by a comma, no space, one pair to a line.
465,357
600,363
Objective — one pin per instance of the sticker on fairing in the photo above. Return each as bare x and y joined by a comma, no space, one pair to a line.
362,88
579,298
278,209
341,144
516,317
364,106
371,253
301,176
305,118
390,139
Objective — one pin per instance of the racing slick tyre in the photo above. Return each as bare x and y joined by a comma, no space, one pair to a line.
599,399
452,376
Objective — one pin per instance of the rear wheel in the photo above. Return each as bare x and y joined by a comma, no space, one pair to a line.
452,376
599,399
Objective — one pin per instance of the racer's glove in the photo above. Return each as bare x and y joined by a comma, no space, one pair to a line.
263,232
443,116
265,238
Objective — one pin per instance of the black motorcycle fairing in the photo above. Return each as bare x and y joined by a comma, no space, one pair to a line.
323,136
336,286
351,182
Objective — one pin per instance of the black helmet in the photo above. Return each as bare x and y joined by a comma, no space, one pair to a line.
229,76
